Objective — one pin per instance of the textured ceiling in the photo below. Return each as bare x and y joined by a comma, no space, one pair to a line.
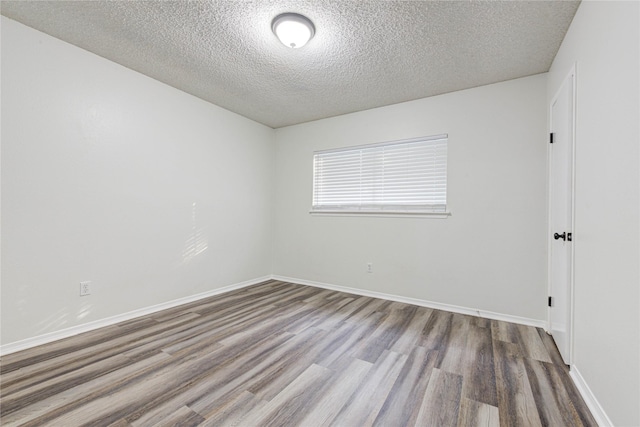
365,54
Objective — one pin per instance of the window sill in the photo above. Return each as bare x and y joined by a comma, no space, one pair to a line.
393,214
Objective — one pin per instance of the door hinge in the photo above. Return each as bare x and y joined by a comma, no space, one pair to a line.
550,302
551,138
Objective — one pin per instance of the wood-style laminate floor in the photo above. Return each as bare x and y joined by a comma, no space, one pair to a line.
280,354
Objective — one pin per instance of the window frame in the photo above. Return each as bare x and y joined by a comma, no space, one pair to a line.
385,210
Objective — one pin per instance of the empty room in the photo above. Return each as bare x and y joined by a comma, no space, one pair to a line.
310,213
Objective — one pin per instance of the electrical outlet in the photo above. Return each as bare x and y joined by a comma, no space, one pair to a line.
369,267
85,288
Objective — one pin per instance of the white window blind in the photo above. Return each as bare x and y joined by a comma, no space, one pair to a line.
408,176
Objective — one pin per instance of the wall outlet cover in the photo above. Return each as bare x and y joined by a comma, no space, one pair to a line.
85,288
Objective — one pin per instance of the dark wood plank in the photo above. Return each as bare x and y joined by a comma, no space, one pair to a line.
479,369
555,405
516,404
552,349
504,331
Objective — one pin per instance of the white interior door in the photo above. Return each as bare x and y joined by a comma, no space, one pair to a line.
561,217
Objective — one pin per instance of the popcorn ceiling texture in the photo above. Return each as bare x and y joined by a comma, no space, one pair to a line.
365,54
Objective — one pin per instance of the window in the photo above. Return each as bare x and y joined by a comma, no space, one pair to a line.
407,177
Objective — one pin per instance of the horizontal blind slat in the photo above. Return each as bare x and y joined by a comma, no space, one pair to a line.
408,174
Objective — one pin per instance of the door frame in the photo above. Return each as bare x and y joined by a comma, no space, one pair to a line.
570,75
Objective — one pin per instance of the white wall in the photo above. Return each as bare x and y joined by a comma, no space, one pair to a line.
490,254
603,41
154,195
112,177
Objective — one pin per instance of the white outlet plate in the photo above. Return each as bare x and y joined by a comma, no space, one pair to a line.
85,288
369,267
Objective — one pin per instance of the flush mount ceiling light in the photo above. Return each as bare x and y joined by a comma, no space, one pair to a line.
293,30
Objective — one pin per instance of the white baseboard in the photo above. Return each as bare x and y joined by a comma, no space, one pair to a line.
423,303
85,327
589,398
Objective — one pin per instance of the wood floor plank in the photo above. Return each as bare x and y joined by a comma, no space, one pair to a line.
31,357
481,322
454,346
283,354
477,414
371,306
43,390
441,401
552,349
316,313
402,405
516,404
336,393
263,373
232,411
234,368
281,372
386,334
183,417
554,404
503,331
290,405
104,408
59,364
436,331
44,410
349,338
479,368
572,393
338,316
415,325
120,423
362,408
532,345
224,327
